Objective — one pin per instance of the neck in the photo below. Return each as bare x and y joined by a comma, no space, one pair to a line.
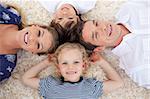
63,80
10,40
123,31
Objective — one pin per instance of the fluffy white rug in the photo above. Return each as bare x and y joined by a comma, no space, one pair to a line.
36,14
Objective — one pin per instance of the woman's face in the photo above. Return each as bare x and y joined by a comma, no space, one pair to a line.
35,39
101,33
71,67
65,14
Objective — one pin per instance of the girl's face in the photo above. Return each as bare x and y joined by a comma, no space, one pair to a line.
35,39
65,14
101,33
71,64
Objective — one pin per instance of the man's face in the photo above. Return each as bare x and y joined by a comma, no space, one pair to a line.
65,14
101,33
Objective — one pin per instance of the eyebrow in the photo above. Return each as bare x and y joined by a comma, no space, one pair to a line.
42,36
96,34
92,35
93,22
92,31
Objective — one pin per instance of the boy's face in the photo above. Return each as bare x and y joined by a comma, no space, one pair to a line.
71,64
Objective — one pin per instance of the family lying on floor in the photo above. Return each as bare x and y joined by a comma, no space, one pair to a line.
72,43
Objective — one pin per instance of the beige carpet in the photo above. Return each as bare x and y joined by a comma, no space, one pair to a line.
35,14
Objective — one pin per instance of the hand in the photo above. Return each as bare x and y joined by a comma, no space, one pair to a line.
48,59
96,57
99,49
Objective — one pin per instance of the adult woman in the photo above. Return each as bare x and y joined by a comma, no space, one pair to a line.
34,39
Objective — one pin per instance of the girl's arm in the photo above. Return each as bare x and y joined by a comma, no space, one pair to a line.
114,80
30,77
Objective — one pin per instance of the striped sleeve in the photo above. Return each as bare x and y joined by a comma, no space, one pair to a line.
46,84
97,87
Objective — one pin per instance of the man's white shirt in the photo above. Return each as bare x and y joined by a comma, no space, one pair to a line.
134,50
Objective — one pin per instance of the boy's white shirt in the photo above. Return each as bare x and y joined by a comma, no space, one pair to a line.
82,6
134,50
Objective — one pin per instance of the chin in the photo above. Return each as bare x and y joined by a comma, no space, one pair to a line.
73,80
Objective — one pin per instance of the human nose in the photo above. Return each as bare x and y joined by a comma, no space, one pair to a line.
32,38
70,66
64,12
101,28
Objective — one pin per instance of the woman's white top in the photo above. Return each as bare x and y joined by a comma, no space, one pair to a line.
82,6
134,50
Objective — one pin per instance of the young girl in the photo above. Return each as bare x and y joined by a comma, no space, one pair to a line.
33,38
71,60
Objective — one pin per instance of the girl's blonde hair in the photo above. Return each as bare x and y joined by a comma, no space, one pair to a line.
70,46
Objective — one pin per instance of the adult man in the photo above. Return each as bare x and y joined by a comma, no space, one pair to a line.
130,38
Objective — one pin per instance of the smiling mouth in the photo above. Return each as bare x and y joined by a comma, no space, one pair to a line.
64,8
26,38
71,72
110,30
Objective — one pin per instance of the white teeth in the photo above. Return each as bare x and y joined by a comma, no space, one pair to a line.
71,72
26,38
110,30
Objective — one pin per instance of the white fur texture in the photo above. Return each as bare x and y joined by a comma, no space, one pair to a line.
36,14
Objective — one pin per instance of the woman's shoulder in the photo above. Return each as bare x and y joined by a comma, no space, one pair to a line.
8,57
7,64
9,15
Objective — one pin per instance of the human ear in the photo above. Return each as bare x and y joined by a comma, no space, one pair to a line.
58,73
99,49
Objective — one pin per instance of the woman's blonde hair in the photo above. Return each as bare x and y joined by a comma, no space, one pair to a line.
49,28
70,46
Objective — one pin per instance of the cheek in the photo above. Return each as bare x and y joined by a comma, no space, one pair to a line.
72,12
80,67
32,48
57,14
61,68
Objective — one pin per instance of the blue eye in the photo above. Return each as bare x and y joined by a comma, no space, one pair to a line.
60,18
65,63
70,18
76,62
